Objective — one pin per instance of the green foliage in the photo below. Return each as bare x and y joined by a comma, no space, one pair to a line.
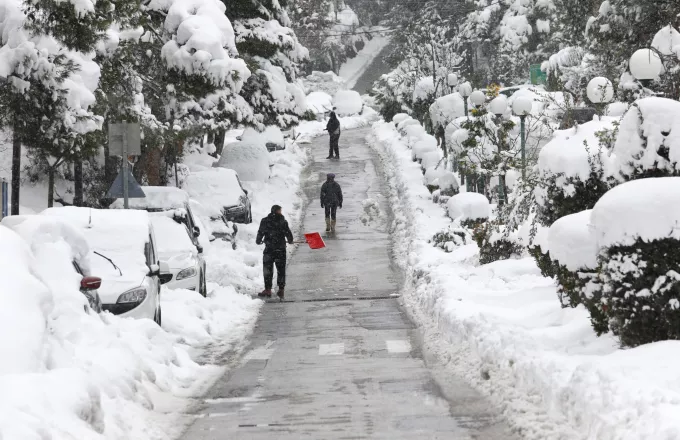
543,261
450,239
642,290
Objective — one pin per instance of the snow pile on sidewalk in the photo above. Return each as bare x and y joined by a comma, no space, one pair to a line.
308,130
501,327
70,374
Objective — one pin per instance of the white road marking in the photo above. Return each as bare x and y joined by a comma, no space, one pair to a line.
331,349
398,346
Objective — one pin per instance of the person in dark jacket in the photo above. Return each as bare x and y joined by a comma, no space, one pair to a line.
333,129
331,199
274,232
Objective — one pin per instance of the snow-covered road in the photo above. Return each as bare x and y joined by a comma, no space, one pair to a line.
340,358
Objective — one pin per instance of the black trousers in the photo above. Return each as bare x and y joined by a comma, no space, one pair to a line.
330,211
334,148
270,258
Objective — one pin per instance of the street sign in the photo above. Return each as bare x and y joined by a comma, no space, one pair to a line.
126,132
117,189
537,75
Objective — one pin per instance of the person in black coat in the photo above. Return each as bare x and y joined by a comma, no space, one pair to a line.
274,232
331,200
333,129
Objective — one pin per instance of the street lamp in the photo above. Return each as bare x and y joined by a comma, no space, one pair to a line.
477,98
465,91
452,80
498,106
522,107
646,66
600,90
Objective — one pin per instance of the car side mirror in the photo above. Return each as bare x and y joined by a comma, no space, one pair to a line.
197,231
154,270
90,283
199,248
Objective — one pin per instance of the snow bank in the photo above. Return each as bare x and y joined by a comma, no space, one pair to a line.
271,135
347,103
311,129
648,209
249,159
650,127
572,243
327,82
501,328
469,206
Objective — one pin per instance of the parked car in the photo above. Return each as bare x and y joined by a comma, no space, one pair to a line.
221,190
184,266
39,231
166,199
125,257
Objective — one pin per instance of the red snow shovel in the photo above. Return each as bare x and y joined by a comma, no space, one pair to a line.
315,241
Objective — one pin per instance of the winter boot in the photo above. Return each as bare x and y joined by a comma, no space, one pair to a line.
332,225
280,293
266,293
328,225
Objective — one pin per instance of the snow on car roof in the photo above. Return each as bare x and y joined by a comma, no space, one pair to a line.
39,230
157,197
120,235
216,188
171,237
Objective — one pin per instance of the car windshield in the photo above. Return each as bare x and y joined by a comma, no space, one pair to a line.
172,237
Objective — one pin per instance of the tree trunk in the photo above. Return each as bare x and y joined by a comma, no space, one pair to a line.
16,170
219,140
78,198
50,187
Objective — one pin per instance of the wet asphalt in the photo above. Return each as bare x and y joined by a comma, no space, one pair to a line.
340,359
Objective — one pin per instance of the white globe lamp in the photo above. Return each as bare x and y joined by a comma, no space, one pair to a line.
499,105
477,98
522,106
465,89
452,79
600,90
646,65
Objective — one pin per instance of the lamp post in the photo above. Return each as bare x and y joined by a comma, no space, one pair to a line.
465,91
452,81
498,106
646,66
522,107
478,98
600,91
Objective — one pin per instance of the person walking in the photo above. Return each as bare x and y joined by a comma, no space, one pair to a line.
331,199
274,232
333,129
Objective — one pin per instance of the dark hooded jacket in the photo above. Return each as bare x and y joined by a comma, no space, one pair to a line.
331,193
274,232
333,126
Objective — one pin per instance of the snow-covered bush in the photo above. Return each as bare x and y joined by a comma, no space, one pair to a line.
431,159
249,159
348,103
495,243
573,170
637,231
451,238
469,208
448,184
425,144
399,117
648,143
447,108
574,251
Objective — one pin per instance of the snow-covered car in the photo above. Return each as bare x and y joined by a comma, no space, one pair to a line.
221,191
125,257
184,266
44,234
167,199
